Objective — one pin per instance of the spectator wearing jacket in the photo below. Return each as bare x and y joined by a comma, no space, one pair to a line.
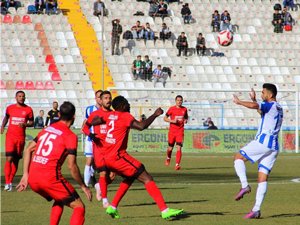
165,32
225,21
153,8
51,5
289,4
115,36
137,30
182,44
137,67
162,9
186,13
287,17
200,46
215,22
39,5
148,32
158,76
277,21
13,3
147,68
99,7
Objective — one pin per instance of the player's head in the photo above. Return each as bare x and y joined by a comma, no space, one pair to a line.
121,104
178,100
67,112
97,97
106,99
269,91
20,97
55,105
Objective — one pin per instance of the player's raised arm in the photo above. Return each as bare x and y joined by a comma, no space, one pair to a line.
250,105
141,125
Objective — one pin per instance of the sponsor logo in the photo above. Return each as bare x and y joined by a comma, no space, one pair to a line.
205,140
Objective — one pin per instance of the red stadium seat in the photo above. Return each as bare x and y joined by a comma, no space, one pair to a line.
7,19
52,68
44,43
26,19
55,76
2,85
50,59
42,35
19,85
29,85
39,85
49,85
47,51
17,19
38,27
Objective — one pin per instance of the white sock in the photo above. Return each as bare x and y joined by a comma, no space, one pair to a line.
87,175
165,210
104,201
260,195
97,186
92,171
240,169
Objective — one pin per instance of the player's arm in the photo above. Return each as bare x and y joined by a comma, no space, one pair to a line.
252,95
186,117
247,104
4,122
167,119
26,163
141,125
83,123
92,121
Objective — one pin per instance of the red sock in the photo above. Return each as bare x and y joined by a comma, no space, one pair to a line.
178,156
77,217
155,193
56,213
169,153
7,172
14,168
103,186
124,186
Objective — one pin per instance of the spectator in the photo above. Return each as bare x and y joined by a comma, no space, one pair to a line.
158,76
225,21
53,114
99,6
215,22
3,7
287,19
148,32
289,4
137,30
162,9
39,120
39,6
205,122
51,5
148,68
211,126
153,8
186,13
137,67
182,44
277,21
200,46
115,36
165,32
13,3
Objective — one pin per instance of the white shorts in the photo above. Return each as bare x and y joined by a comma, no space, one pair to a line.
88,148
257,152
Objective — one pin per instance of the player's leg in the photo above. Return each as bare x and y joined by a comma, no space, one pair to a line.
240,169
56,212
19,144
78,215
7,172
88,169
11,152
179,143
103,188
171,143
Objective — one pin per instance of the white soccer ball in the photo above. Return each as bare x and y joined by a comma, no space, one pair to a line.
225,38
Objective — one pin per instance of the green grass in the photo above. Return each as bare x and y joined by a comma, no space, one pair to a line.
204,188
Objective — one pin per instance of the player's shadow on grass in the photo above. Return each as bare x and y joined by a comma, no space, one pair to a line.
187,214
168,202
12,211
286,215
207,168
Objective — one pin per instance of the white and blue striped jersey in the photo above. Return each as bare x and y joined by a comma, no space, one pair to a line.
88,112
270,124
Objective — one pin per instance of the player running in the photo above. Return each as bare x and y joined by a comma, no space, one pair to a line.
51,147
19,116
264,149
118,160
177,116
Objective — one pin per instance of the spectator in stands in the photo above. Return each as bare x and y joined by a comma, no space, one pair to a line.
147,68
200,45
162,9
3,7
137,30
153,8
211,126
51,7
99,6
165,32
277,21
289,4
182,44
39,120
287,19
215,22
157,76
148,32
39,5
13,3
225,21
186,13
115,36
206,121
53,114
137,67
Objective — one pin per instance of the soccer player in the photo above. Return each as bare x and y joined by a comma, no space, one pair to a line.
177,116
53,116
88,147
19,116
52,146
264,149
98,151
117,159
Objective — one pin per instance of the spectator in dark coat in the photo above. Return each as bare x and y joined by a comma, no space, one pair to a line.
289,4
277,22
162,9
99,6
200,46
225,21
186,13
216,20
115,36
182,44
165,32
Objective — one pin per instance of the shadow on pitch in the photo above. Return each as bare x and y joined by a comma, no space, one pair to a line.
207,168
14,211
168,202
187,214
286,215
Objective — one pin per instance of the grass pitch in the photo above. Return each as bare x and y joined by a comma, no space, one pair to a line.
204,188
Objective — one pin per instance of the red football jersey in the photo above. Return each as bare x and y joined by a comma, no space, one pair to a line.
118,127
54,143
18,114
180,114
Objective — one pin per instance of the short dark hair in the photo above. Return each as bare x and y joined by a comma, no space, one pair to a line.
67,111
119,102
178,96
105,93
98,92
272,88
20,92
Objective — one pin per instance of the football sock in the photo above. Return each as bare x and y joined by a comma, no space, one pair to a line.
260,195
169,154
87,175
240,169
124,186
77,217
56,213
103,187
14,168
92,171
155,193
178,157
7,171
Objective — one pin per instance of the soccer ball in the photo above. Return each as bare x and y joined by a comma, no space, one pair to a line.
225,38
